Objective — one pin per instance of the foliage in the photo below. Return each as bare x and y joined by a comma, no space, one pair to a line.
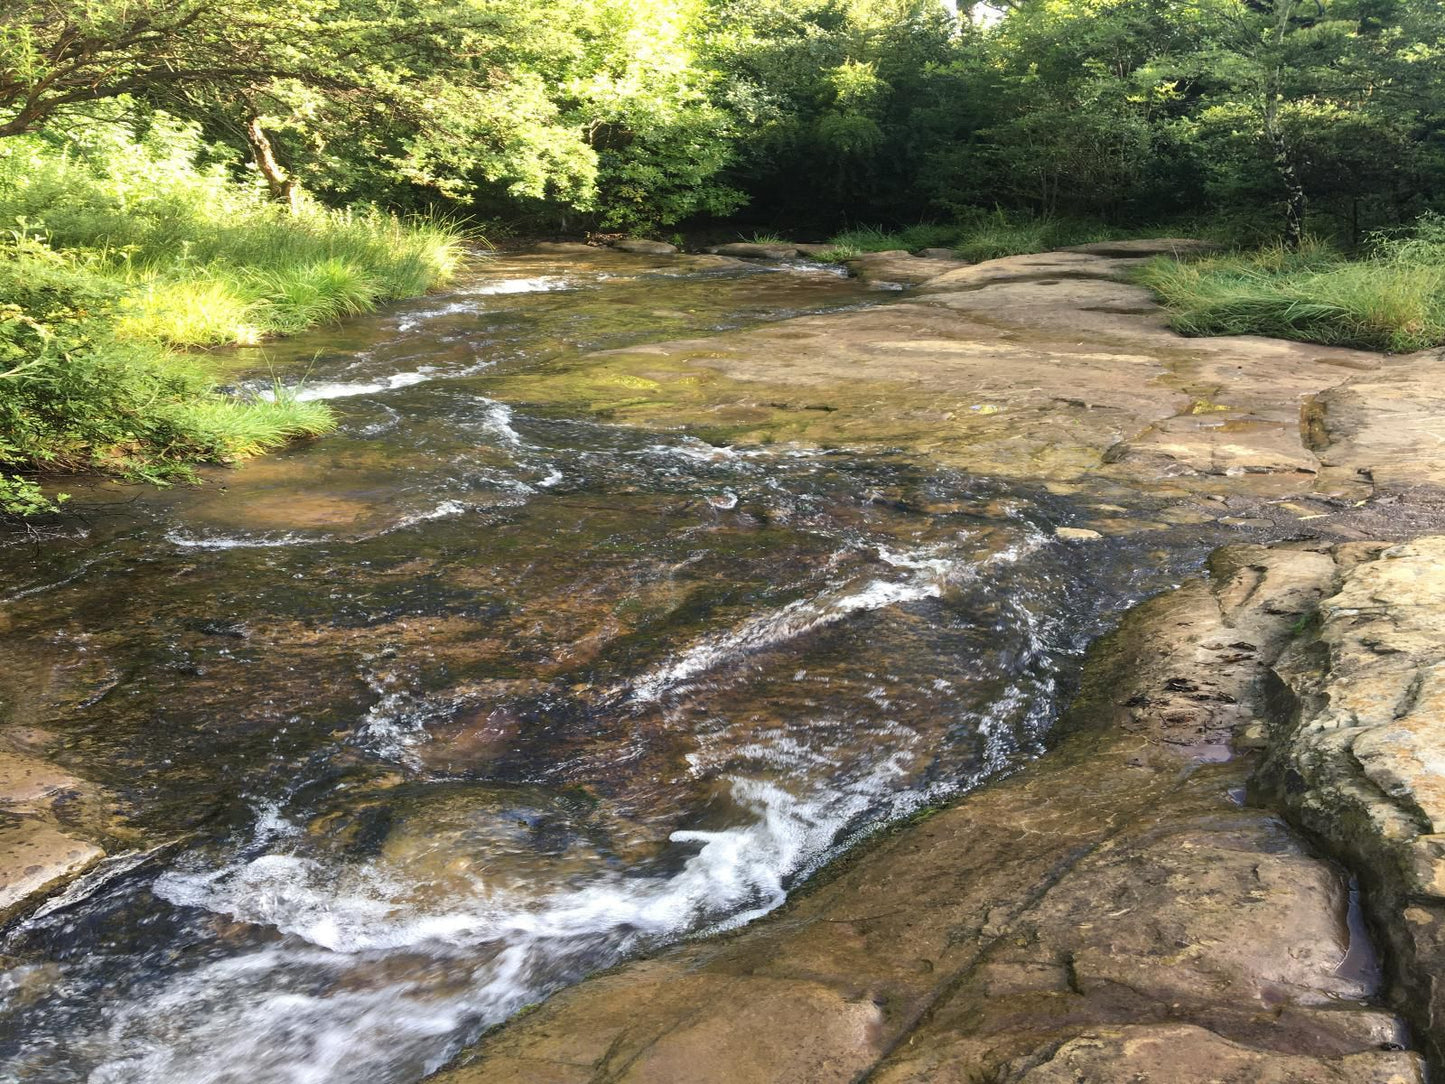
72,395
1392,300
200,260
121,250
24,497
640,114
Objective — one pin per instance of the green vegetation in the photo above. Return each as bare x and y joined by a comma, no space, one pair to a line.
1392,299
982,236
643,114
122,251
215,171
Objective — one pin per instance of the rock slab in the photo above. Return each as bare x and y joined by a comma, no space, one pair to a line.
1358,750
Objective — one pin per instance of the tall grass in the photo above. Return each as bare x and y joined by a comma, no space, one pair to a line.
74,395
208,261
116,252
1391,299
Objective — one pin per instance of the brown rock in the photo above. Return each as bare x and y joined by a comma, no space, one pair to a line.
1358,748
901,267
644,248
1044,367
1189,1055
36,857
753,250
1088,916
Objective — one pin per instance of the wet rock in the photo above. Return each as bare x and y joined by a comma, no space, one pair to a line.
1190,1055
1390,419
901,266
1045,367
1112,913
644,248
36,858
562,248
753,250
1358,748
1076,534
44,812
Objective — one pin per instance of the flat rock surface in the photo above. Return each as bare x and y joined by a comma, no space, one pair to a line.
1046,368
1113,913
36,856
757,250
51,821
644,247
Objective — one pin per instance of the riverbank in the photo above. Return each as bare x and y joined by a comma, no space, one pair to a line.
123,260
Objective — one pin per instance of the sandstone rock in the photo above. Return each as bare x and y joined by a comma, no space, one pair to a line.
816,251
901,267
1076,534
36,857
563,248
939,254
1110,914
757,250
1392,420
1190,1055
1358,748
644,248
1083,374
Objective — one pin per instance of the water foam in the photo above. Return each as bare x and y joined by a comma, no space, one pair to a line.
796,619
537,284
305,393
324,1006
234,542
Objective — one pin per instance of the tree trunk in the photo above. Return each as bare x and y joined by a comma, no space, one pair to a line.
283,186
1294,192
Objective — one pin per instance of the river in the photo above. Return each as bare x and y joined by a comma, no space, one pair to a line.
412,725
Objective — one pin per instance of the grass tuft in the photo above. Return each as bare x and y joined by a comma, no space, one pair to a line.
1392,299
986,236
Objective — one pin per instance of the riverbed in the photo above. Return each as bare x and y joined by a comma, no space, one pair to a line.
403,729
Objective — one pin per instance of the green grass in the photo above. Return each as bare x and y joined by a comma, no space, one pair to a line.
993,235
986,236
118,254
1391,299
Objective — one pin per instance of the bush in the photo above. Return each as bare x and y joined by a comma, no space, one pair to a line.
74,396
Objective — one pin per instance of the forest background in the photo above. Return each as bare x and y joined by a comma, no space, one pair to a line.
183,174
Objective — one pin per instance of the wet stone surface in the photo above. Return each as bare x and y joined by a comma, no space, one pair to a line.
393,734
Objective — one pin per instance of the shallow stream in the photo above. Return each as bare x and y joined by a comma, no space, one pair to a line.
417,723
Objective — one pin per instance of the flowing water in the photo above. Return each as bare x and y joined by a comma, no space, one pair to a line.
417,723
